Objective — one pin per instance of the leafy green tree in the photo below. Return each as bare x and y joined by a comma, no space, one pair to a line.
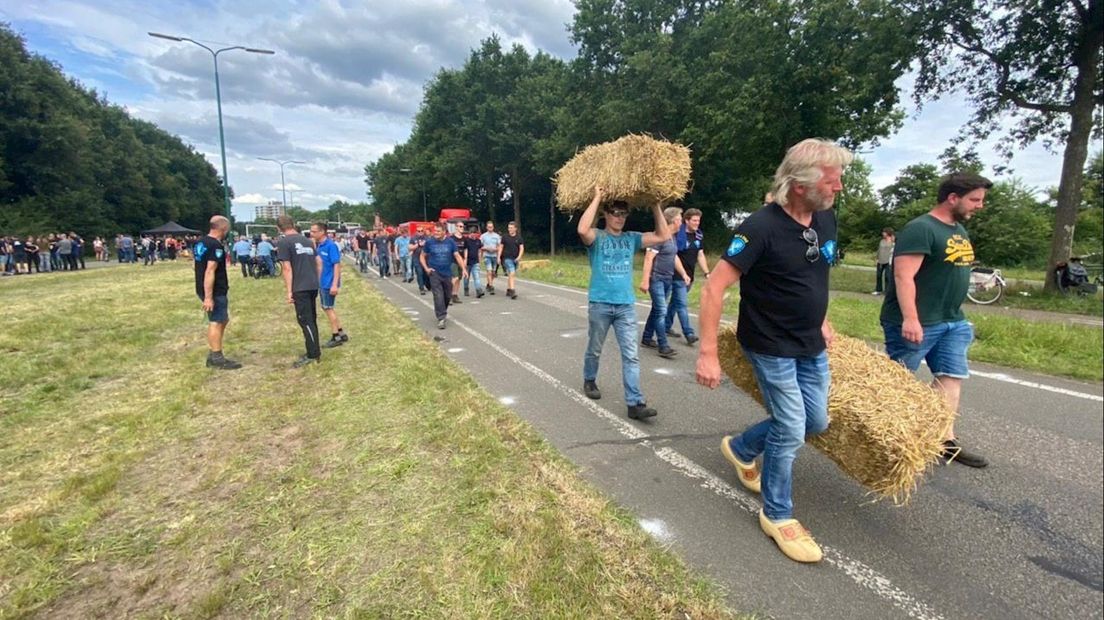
1013,229
860,219
914,182
1038,62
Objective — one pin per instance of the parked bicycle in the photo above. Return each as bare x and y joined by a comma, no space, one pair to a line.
986,285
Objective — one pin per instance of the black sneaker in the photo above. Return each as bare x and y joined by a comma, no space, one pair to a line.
334,341
456,300
954,452
641,411
421,291
479,294
667,352
344,337
440,323
223,363
490,289
511,293
303,361
691,339
466,293
651,344
591,390
672,334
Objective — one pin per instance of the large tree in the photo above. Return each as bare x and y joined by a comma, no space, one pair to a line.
1036,61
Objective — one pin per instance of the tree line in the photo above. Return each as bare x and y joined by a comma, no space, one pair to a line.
70,160
740,81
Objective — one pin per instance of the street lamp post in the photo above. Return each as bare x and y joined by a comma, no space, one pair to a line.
283,186
218,101
425,214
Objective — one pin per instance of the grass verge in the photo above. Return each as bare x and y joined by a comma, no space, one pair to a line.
381,483
1050,348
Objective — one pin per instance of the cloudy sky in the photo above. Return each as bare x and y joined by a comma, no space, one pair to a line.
344,83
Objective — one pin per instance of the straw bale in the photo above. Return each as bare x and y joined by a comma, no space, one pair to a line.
886,428
636,169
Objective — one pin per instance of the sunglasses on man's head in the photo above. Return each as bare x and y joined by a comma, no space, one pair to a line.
812,253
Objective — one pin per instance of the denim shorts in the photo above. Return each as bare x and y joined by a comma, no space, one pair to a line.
510,265
944,348
490,262
221,312
326,299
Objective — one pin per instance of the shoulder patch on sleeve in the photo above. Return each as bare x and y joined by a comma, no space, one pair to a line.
737,245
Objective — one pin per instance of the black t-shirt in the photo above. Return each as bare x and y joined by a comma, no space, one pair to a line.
299,251
783,295
383,245
362,242
210,250
472,245
511,246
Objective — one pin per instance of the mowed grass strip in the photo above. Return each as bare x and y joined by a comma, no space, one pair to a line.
381,483
1051,348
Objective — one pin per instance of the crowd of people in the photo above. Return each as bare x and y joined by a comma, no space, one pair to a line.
69,251
780,258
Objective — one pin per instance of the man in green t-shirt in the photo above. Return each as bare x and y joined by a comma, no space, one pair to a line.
922,314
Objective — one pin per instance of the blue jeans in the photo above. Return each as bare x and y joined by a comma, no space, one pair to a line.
795,393
421,276
679,305
657,318
473,277
622,317
944,348
407,270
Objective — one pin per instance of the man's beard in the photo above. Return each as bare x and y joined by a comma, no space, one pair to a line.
961,213
818,200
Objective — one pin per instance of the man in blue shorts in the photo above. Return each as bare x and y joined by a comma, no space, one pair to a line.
489,252
509,254
922,313
328,257
212,288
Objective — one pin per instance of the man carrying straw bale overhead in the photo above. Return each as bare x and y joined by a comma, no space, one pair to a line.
612,302
781,255
922,313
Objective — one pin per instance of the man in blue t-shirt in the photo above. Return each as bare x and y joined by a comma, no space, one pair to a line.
242,249
264,252
437,257
328,257
611,297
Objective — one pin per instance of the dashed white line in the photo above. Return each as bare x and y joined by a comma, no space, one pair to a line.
859,572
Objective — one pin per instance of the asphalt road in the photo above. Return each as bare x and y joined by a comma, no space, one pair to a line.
1021,539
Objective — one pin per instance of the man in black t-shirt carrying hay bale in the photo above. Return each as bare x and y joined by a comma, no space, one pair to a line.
781,256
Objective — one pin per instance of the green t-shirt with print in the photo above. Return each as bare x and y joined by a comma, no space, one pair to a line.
944,275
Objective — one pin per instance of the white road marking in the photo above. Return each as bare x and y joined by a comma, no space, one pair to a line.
455,349
995,376
507,400
663,371
657,528
506,312
1000,376
859,572
570,335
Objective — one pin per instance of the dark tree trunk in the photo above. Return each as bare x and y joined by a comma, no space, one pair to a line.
515,189
491,198
1077,145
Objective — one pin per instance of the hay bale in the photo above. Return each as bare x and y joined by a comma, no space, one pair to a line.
886,428
636,169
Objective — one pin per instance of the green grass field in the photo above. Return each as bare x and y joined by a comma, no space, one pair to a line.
1050,348
381,483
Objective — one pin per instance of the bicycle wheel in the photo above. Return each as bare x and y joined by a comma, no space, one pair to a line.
984,291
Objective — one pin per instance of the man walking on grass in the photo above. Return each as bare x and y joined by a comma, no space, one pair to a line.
922,313
489,254
242,250
781,256
510,252
300,270
329,281
610,295
212,288
437,258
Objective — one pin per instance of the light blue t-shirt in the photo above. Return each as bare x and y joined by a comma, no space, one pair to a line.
330,255
264,248
243,247
402,246
611,267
